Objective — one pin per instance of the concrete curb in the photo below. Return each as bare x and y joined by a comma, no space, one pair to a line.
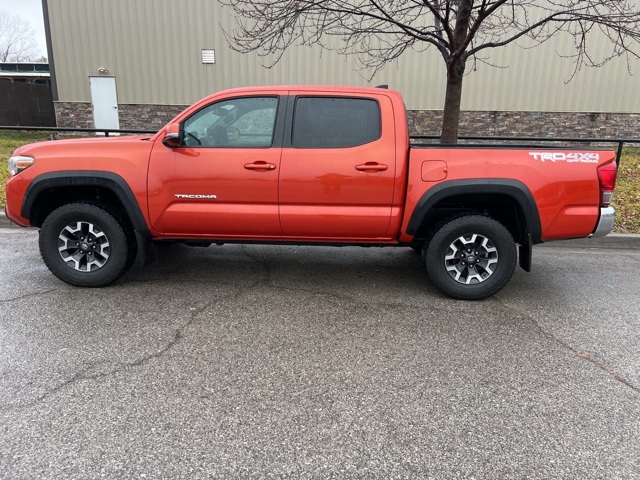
623,241
628,241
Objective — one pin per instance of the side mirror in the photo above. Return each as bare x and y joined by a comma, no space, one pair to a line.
233,134
171,137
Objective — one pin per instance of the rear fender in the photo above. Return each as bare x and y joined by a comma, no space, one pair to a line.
518,191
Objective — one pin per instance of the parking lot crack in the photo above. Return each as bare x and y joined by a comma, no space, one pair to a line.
28,295
351,299
266,268
578,353
590,359
85,374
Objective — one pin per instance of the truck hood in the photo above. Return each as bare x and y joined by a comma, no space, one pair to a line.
97,144
122,155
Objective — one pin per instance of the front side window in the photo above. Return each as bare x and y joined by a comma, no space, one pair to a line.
333,122
239,122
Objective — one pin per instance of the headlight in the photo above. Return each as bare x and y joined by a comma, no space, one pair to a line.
19,163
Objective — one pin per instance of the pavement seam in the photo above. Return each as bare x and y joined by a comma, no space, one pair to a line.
81,375
27,295
267,280
265,267
585,356
343,298
578,353
178,336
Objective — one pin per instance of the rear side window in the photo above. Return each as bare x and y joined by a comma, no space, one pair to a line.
327,122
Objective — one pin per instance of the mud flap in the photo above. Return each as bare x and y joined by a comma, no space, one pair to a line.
145,249
525,253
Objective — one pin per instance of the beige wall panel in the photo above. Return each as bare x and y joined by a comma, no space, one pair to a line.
153,49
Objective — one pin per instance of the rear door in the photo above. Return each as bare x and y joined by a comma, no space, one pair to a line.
338,167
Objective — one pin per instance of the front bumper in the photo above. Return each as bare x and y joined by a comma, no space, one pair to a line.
13,220
605,223
16,187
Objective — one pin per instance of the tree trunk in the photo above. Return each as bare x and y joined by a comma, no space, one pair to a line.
455,73
451,117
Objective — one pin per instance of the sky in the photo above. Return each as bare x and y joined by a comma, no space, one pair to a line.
31,11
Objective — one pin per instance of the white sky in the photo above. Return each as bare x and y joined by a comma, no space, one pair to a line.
31,11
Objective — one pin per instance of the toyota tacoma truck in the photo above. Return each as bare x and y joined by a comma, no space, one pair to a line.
305,165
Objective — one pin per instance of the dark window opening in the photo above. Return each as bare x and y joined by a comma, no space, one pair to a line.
331,122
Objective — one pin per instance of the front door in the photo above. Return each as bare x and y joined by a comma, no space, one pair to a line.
338,169
104,101
223,180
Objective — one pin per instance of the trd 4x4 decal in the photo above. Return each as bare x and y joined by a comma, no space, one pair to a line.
573,157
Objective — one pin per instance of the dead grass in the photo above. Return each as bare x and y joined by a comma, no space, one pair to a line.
626,199
9,141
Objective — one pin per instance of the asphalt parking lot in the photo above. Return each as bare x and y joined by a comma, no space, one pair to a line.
301,362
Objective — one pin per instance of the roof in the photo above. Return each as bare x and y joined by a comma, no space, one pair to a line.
311,88
25,74
26,67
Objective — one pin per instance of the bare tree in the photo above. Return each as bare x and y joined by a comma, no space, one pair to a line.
379,31
17,39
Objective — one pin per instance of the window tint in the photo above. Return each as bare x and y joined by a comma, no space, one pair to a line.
240,122
325,122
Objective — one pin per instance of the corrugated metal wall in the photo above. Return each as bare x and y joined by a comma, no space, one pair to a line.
153,48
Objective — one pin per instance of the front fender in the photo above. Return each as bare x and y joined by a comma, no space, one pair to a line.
86,178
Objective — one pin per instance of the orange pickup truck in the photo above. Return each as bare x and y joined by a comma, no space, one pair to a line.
305,165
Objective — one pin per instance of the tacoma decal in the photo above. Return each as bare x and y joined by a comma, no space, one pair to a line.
185,195
573,157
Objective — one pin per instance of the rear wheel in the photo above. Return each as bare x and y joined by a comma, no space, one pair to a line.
471,257
86,246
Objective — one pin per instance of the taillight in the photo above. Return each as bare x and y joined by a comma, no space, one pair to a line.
607,176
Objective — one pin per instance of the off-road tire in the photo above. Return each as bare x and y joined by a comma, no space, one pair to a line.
493,263
120,237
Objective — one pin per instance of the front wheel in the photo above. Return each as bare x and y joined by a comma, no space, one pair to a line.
471,257
85,245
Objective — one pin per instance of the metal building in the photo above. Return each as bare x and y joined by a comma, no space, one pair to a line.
136,63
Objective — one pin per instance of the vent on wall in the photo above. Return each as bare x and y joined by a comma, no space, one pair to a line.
208,56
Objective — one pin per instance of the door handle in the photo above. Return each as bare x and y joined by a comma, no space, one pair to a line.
372,167
259,165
